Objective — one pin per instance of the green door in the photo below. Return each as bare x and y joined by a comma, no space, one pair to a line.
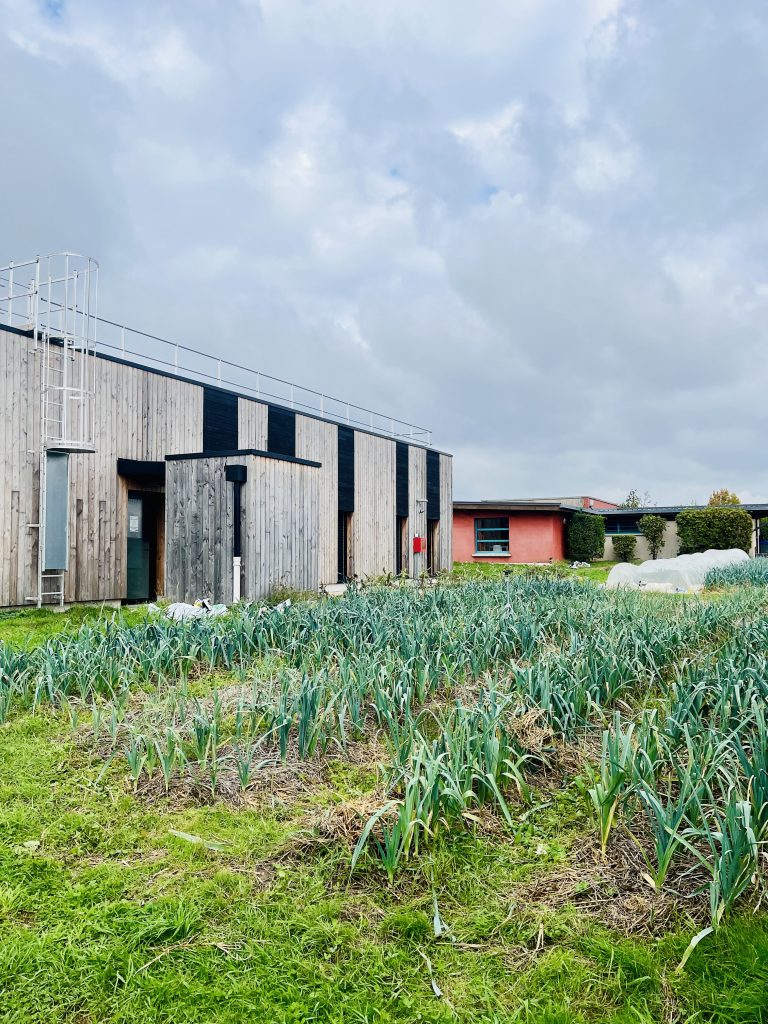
138,553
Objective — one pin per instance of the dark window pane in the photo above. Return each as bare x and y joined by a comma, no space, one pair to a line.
493,523
492,535
281,430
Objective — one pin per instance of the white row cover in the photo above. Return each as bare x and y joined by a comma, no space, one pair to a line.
684,573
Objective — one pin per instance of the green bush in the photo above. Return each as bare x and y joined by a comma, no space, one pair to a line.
719,527
624,547
585,538
653,529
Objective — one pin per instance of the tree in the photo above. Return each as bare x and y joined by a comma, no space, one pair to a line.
723,497
624,547
653,528
719,527
635,500
585,537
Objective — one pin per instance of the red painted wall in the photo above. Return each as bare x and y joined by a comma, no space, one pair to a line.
533,536
597,503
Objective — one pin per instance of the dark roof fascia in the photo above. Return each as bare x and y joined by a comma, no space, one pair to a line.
234,391
235,453
757,509
141,469
512,506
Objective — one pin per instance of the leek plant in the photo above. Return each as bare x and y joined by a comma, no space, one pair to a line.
396,660
610,785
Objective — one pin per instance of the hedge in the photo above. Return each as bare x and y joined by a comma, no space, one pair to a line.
585,537
624,547
718,526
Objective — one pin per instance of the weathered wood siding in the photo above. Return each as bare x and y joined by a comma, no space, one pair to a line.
417,488
198,530
283,526
445,530
139,415
373,521
19,441
251,424
280,510
318,440
144,416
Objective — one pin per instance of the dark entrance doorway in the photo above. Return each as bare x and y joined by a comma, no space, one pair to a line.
433,534
145,526
401,544
345,540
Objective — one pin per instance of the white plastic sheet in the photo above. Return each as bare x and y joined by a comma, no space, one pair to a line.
180,611
623,577
682,574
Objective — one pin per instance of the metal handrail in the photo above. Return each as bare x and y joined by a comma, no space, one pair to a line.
228,374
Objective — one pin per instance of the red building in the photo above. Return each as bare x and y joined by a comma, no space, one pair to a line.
528,530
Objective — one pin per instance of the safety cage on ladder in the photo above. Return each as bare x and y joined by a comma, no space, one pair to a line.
54,299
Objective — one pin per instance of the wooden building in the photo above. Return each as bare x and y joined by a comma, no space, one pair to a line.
148,507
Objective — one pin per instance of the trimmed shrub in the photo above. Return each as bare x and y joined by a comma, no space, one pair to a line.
585,539
624,547
653,529
719,527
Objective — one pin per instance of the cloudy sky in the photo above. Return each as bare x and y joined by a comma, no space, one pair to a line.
537,226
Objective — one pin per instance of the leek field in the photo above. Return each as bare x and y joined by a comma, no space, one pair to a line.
490,800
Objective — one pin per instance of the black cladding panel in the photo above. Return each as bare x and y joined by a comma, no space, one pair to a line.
433,485
219,420
346,469
401,479
281,430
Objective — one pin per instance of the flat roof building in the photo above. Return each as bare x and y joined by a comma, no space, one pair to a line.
525,530
135,467
533,530
625,522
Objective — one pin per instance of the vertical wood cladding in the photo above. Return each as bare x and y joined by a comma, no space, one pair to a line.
19,478
433,485
279,522
346,469
252,424
220,421
373,522
417,488
281,431
142,416
318,440
401,476
445,540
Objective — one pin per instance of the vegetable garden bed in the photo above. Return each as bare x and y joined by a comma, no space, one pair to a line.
438,785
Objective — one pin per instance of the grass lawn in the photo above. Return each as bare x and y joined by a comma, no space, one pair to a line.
120,902
597,571
34,626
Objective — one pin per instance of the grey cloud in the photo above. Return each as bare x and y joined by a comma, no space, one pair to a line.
541,232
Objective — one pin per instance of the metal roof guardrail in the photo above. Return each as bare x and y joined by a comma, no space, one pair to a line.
178,358
17,282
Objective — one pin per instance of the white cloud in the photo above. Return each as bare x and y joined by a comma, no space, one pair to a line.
539,227
603,164
146,56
